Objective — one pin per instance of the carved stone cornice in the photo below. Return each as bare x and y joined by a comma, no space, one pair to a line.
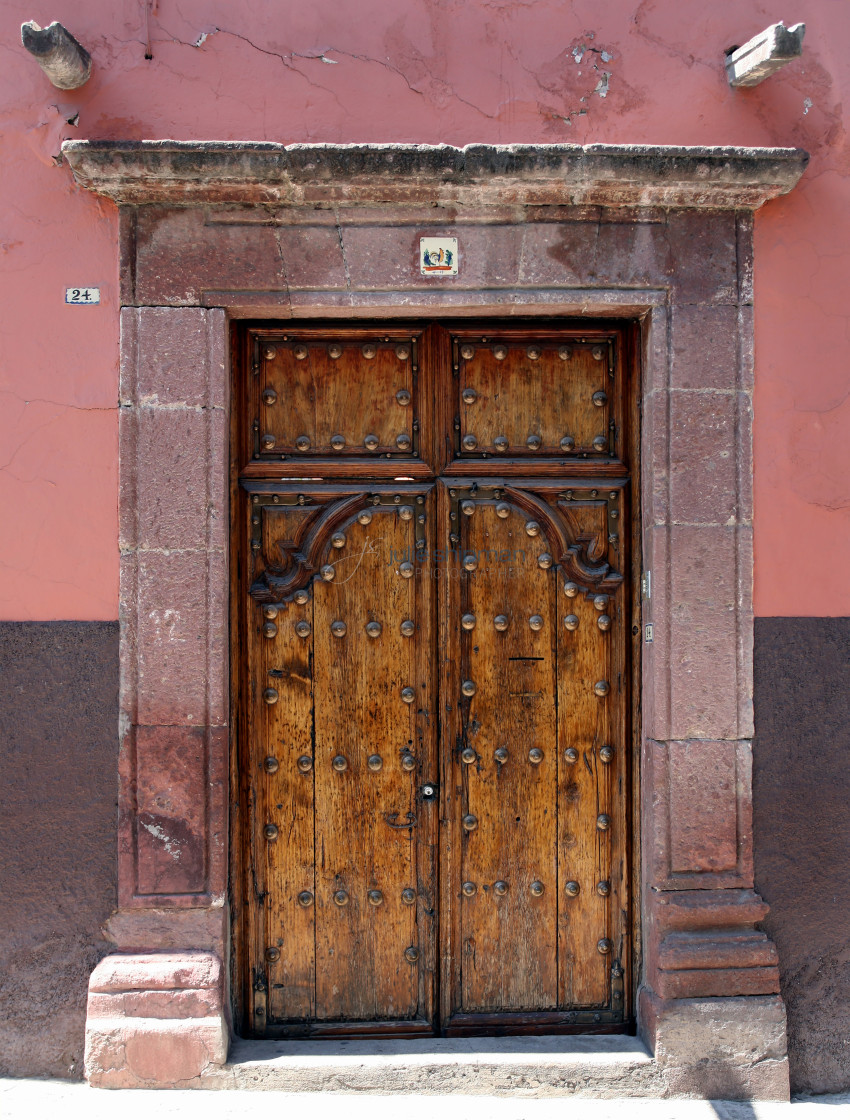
477,176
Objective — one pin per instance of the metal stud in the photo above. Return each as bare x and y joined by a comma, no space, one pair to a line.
411,954
270,831
470,442
373,629
375,898
272,954
405,570
305,898
604,622
340,763
408,628
337,442
364,517
270,695
600,399
500,443
470,562
567,443
371,442
600,443
303,628
470,822
468,688
571,590
564,353
598,353
338,540
602,688
408,896
402,353
571,622
535,756
532,528
403,441
468,621
341,898
302,443
268,441
536,622
606,754
604,945
269,611
334,350
469,396
305,763
369,350
271,765
468,508
503,510
338,628
269,630
403,397
501,755
537,888
301,596
603,888
405,513
468,755
500,353
269,396
408,762
500,887
544,560
374,762
571,754
501,622
534,353
572,888
603,822
408,695
469,889
600,602
467,351
270,354
327,572
534,443
300,352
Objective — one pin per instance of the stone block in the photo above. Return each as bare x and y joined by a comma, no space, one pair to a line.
703,457
312,257
705,346
703,249
727,1048
703,806
173,356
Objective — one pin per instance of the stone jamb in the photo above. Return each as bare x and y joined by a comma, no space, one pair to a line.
709,974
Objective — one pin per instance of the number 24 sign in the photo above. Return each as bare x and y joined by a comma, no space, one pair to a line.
82,295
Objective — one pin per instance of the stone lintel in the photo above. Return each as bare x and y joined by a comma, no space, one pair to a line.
479,175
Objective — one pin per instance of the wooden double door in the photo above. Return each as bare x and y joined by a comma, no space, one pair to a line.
433,608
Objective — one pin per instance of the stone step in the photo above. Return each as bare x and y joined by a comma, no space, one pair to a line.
601,1066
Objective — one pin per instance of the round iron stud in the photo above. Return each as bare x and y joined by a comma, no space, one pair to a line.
503,510
408,695
600,399
364,517
603,888
303,628
405,570
341,898
603,822
467,351
606,753
305,898
271,765
327,572
500,887
535,756
268,441
408,896
403,397
468,621
373,629
338,629
469,889
403,441
371,442
470,822
545,561
604,622
534,442
571,754
269,396
536,622
598,353
374,762
532,528
468,508
269,630
402,353
375,898
571,590
269,612
572,888
600,602
501,622
534,353
468,755
564,353
300,352
338,540
337,442
501,755
604,945
470,442
602,688
468,688
334,350
408,762
302,443
500,443
500,353
369,350
567,443
405,513
469,396
571,622
470,562
270,831
600,443
537,888
340,763
270,695
305,763
411,954
272,954
270,354
407,628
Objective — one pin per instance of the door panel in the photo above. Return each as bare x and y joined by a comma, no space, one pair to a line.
348,868
434,730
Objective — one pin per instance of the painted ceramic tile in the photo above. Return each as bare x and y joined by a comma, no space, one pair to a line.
438,256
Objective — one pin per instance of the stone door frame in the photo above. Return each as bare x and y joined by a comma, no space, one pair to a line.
212,233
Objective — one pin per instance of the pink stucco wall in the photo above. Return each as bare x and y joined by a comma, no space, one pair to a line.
454,71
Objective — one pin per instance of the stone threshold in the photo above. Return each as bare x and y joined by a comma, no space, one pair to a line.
600,1066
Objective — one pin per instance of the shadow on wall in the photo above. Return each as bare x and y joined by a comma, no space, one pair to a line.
801,795
58,807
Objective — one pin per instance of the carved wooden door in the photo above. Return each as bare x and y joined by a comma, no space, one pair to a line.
434,711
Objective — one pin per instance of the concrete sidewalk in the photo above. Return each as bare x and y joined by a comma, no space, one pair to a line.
26,1099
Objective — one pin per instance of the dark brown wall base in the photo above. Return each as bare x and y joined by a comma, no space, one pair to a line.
58,795
801,794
